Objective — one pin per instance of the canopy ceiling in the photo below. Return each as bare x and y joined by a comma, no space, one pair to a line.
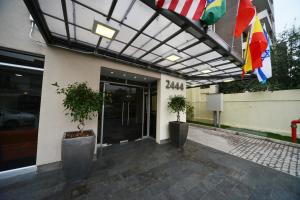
146,36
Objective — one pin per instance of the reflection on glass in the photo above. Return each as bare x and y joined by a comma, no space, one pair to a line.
20,95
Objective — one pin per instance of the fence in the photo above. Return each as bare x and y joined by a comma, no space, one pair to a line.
262,111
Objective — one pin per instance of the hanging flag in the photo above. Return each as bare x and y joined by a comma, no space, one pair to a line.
248,62
246,12
192,9
265,71
256,46
214,11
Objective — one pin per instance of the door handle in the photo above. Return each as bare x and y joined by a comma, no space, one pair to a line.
128,113
122,113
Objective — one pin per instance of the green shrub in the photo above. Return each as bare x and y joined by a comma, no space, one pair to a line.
81,102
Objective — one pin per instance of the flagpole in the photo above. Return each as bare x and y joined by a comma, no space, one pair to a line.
237,10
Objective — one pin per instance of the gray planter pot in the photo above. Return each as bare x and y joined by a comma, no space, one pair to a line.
77,156
178,133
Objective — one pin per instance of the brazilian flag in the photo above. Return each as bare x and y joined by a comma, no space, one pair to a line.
214,10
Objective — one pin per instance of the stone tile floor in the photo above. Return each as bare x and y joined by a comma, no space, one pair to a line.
146,170
278,156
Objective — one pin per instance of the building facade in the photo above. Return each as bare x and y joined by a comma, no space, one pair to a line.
44,42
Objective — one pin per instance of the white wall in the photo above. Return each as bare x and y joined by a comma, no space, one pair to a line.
15,28
64,67
263,111
163,115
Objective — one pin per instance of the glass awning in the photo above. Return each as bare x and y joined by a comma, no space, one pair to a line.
145,37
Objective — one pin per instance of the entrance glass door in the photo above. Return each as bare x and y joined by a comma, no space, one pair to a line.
123,116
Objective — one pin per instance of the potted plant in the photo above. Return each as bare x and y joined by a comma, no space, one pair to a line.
81,104
178,130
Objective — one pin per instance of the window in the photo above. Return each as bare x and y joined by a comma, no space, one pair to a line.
20,96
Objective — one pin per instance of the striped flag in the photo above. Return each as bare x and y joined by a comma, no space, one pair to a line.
192,9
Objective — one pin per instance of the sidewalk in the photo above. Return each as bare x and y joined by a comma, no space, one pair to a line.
279,156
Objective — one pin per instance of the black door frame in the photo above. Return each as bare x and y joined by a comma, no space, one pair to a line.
144,101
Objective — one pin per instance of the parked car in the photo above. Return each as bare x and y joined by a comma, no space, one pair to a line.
11,118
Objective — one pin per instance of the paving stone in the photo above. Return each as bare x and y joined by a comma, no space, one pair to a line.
146,170
274,155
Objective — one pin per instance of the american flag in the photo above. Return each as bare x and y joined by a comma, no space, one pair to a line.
192,9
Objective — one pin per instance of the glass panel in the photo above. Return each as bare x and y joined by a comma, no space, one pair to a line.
191,62
180,39
227,66
167,32
87,36
123,116
210,56
153,106
120,9
197,49
56,26
138,15
116,46
20,96
125,34
52,7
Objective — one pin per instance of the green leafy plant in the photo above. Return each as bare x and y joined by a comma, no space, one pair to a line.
80,102
178,104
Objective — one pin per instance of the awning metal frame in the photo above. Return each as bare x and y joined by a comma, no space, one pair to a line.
194,28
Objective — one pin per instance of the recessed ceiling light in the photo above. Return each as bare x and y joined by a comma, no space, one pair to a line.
173,57
228,80
112,72
18,75
206,71
104,30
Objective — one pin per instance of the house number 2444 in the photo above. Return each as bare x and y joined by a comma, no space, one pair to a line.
173,85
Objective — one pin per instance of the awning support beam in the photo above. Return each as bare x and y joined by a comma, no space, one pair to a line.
111,10
64,9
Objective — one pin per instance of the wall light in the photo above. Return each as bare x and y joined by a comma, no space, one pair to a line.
104,30
173,57
228,80
206,71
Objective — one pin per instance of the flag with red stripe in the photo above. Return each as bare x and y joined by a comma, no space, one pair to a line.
192,9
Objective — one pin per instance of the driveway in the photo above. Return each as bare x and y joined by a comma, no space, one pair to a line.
146,170
277,155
